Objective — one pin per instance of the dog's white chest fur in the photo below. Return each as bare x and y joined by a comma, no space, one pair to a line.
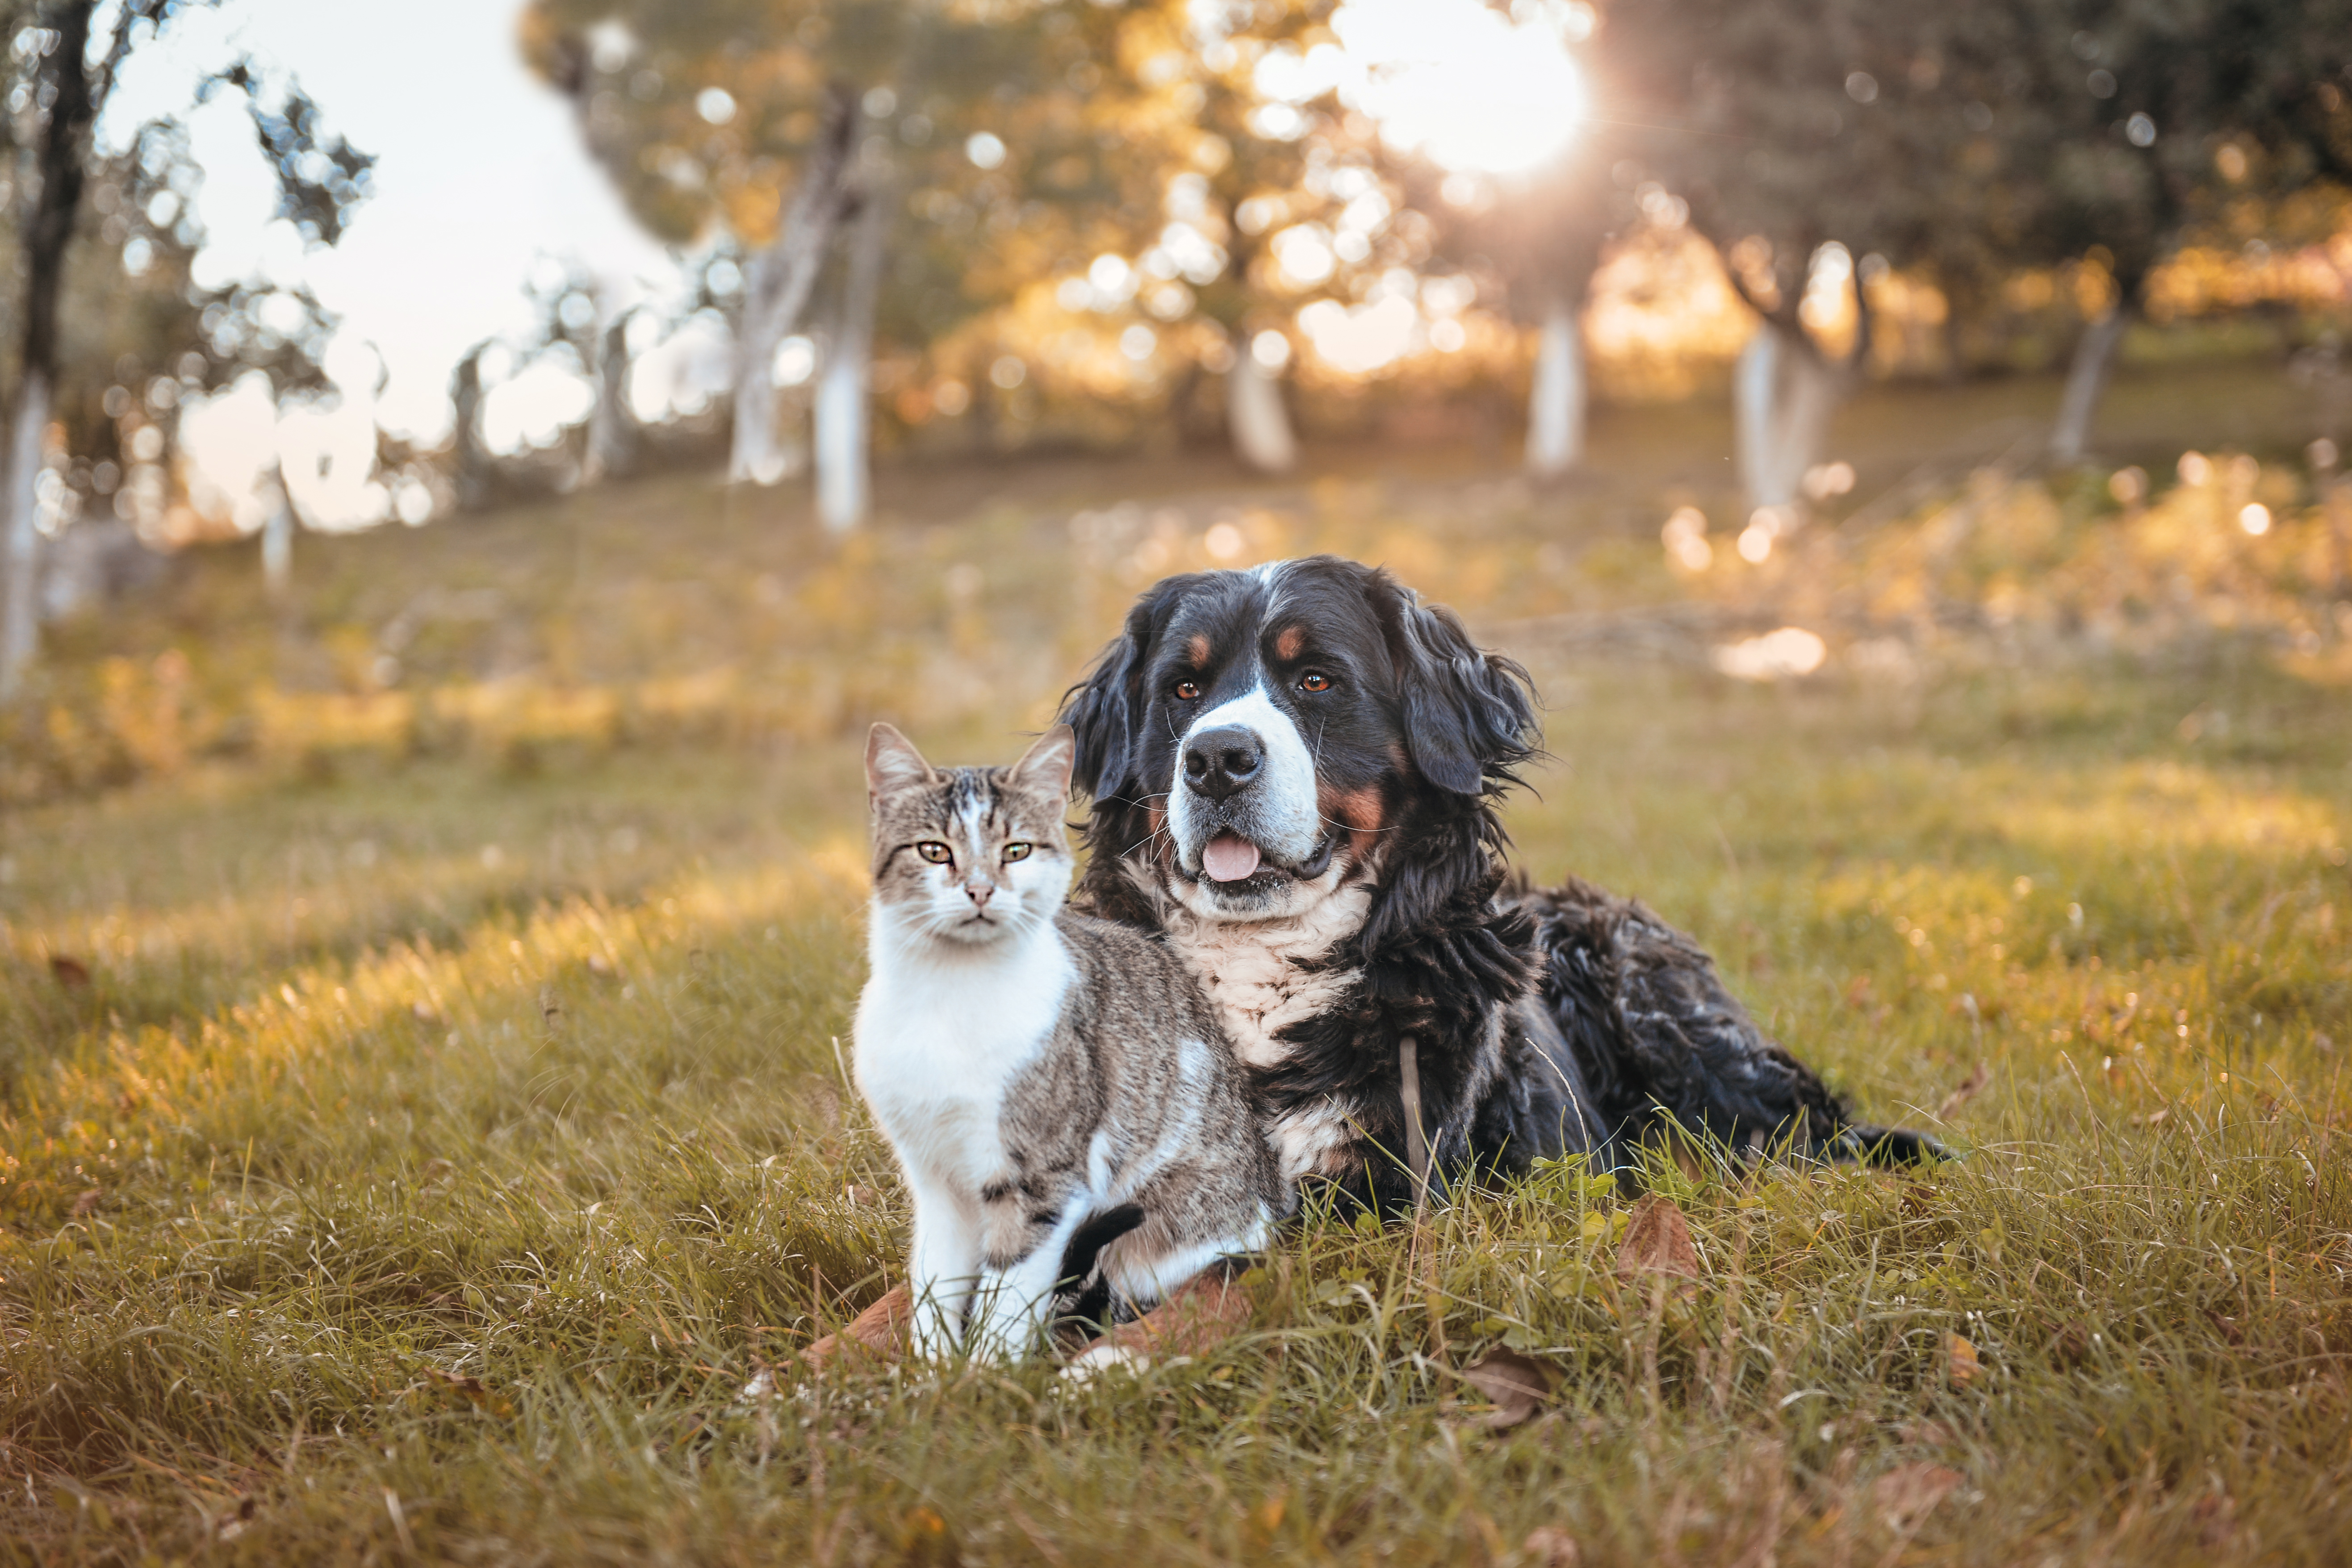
1266,975
939,1039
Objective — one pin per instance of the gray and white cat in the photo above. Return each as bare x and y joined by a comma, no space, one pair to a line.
1041,1075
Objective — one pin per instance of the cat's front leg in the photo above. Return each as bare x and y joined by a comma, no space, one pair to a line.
1008,1312
942,1268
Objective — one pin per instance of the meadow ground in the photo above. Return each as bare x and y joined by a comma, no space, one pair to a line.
421,1110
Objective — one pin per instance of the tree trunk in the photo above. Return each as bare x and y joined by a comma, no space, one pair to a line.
612,432
2086,382
20,612
844,422
776,293
1254,414
1556,403
475,475
1753,379
45,237
278,540
1783,397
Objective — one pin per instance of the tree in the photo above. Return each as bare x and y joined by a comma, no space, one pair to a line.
1243,173
987,151
65,70
1539,236
1966,141
2123,124
783,120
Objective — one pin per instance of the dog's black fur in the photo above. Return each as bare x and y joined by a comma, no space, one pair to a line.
1546,1022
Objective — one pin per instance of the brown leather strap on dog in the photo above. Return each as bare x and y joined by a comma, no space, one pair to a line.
1416,1140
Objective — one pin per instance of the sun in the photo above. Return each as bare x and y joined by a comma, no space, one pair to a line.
1473,89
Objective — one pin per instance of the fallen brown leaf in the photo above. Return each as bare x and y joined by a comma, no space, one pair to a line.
71,973
1961,1360
471,1391
1969,1088
1908,1493
1926,1434
859,1198
1657,1241
1518,1384
2216,1516
1550,1548
85,1202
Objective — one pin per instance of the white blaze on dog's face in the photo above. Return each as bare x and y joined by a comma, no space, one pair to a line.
1244,795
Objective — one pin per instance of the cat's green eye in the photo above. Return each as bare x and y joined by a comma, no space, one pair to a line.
936,853
1017,852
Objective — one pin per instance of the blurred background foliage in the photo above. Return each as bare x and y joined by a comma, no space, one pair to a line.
1221,238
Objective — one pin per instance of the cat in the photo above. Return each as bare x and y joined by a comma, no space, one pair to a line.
1059,1094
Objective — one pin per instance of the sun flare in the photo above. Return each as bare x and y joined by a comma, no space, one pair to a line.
1473,89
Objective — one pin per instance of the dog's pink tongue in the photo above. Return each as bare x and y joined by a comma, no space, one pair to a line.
1229,857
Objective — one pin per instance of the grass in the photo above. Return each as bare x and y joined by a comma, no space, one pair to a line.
451,1123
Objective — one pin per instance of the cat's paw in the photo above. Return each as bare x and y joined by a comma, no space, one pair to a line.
1103,1357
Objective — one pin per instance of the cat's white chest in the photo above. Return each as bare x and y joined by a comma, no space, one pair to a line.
940,1039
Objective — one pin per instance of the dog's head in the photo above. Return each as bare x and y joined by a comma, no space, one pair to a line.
1258,739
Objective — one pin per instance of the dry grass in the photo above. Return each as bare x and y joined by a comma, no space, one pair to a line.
450,1124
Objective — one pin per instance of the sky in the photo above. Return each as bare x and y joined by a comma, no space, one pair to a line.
481,176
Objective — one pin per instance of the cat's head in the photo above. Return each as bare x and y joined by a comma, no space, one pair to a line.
969,855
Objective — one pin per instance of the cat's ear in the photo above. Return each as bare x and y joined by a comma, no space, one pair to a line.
1044,767
892,762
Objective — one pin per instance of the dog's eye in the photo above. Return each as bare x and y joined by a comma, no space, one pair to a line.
1017,852
936,853
1187,691
1313,680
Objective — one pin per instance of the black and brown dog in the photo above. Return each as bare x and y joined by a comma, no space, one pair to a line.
1295,772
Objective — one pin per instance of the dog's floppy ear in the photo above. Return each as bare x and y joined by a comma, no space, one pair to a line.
1105,710
1469,715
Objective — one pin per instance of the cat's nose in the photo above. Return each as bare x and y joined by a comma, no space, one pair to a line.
981,893
1223,761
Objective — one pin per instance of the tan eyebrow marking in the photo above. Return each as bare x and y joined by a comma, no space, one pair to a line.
1290,642
1197,649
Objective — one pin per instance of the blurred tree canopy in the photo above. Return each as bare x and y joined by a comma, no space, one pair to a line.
1015,143
1821,143
99,355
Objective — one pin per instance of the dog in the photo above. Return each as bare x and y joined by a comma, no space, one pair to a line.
1295,774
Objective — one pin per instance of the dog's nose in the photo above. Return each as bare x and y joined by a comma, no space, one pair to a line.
1220,763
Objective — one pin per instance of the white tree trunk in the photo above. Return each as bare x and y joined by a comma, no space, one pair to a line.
2086,382
841,472
613,424
844,422
1783,397
1254,412
776,294
20,535
1752,380
1556,402
278,540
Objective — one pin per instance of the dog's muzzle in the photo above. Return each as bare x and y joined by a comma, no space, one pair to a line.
1243,803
